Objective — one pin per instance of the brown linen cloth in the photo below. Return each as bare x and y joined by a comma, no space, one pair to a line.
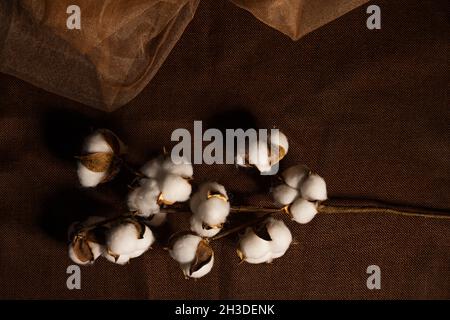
366,109
122,43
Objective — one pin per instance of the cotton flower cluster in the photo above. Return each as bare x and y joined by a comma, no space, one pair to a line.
300,192
165,183
210,207
117,241
261,152
263,243
194,254
98,163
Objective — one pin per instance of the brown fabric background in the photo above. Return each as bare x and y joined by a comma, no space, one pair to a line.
368,110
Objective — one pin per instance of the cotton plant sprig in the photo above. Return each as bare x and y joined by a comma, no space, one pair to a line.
162,184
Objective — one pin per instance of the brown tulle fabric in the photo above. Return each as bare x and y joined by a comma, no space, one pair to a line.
122,43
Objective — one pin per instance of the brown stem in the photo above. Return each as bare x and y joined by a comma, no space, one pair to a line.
254,209
240,227
327,209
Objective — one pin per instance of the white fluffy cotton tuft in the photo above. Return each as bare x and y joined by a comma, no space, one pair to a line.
197,227
254,249
281,237
314,188
284,194
89,178
303,211
184,248
123,239
213,211
294,175
210,207
144,199
175,188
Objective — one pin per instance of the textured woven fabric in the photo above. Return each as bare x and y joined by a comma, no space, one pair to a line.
366,109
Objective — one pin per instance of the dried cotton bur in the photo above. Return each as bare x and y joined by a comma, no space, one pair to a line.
301,193
162,183
100,159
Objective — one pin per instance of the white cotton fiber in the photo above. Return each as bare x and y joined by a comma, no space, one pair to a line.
213,211
144,199
152,168
183,168
89,178
303,211
254,249
284,194
314,188
175,188
294,175
197,227
185,248
281,237
123,239
96,143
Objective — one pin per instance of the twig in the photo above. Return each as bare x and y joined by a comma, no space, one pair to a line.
240,227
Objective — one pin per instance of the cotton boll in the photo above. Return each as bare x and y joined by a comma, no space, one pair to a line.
281,237
197,227
279,139
95,248
185,248
259,155
89,178
183,168
284,194
303,211
314,188
122,239
174,189
158,219
144,199
202,194
254,249
123,259
96,143
294,175
147,240
204,270
213,211
153,168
